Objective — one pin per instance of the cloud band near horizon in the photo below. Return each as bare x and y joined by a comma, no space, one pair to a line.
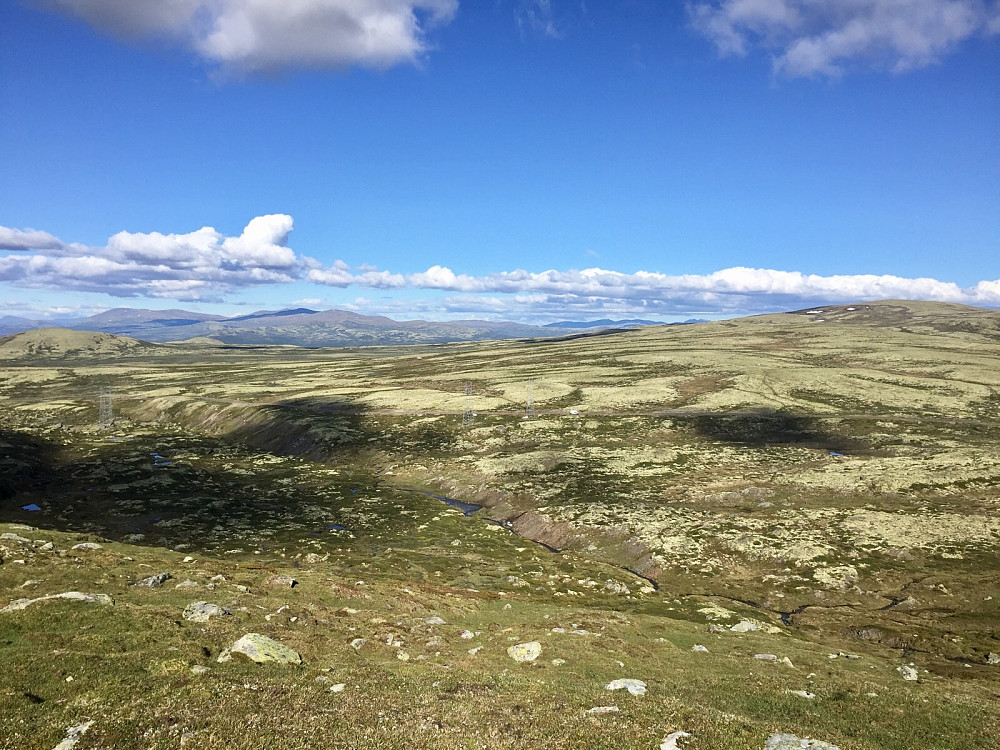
206,266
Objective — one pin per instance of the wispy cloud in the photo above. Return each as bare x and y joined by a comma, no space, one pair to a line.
537,16
205,265
814,37
256,35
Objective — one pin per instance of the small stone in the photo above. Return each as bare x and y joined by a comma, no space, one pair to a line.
87,545
202,611
467,635
73,736
357,643
154,581
47,547
787,662
218,578
241,588
765,657
699,648
474,651
803,694
523,652
744,626
261,649
15,538
188,584
791,742
338,688
992,658
402,656
909,672
200,669
558,662
603,710
188,559
671,740
435,621
635,687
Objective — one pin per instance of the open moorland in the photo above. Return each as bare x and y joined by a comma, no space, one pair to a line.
781,525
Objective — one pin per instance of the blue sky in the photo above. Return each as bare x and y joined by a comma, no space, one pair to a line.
522,159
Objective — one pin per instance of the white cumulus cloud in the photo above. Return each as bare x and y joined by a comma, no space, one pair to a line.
202,264
264,35
817,37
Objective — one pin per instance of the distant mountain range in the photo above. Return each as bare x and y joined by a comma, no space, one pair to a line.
298,327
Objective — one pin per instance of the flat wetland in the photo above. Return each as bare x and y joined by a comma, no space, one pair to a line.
821,487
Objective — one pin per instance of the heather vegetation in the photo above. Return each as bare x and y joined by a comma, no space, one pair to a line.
782,524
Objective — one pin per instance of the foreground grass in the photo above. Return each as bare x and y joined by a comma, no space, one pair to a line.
127,667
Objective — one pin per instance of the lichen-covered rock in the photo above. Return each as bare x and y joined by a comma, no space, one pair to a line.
635,687
19,604
791,742
909,672
87,546
261,649
202,611
523,652
154,581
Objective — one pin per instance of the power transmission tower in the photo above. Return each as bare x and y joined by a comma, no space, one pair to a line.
529,408
105,402
468,414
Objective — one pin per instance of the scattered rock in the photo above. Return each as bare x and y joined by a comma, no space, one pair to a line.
699,648
765,657
635,687
671,740
617,588
281,582
357,643
338,688
467,635
19,604
261,649
909,672
803,694
744,626
188,584
153,581
474,651
73,735
202,611
791,742
523,652
14,538
88,545
200,669
435,621
558,662
992,658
